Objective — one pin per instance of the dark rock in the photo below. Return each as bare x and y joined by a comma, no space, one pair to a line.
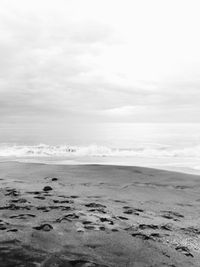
122,218
155,235
129,210
106,220
115,230
100,210
22,216
34,192
191,230
148,226
63,201
3,227
40,197
142,236
89,227
44,227
47,188
145,236
86,222
172,215
68,217
66,208
184,250
166,227
95,205
12,230
14,207
21,200
12,193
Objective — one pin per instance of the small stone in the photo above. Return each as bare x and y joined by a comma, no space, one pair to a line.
80,230
45,227
95,205
47,188
114,230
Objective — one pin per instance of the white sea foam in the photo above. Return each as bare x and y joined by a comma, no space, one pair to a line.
151,151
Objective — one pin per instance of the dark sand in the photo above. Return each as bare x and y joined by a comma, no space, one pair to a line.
98,216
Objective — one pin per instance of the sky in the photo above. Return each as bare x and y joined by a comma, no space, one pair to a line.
67,61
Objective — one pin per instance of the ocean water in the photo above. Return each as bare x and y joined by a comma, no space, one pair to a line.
166,146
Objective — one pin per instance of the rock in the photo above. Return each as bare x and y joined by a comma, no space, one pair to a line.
80,230
47,188
128,211
95,205
134,211
89,227
68,217
106,220
13,230
172,215
191,230
184,250
3,227
155,235
86,222
12,192
20,200
45,227
122,218
40,197
62,201
100,210
148,226
114,230
141,235
166,227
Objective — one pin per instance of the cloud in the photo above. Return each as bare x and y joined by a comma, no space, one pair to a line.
66,59
124,111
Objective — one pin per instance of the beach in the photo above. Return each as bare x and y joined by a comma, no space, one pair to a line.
99,133
97,215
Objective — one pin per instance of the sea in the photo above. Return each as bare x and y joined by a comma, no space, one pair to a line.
168,146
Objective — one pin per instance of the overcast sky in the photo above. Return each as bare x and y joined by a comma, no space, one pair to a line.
99,60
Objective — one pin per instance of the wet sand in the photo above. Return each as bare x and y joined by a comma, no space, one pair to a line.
95,215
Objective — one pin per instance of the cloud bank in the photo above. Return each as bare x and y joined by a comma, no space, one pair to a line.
116,61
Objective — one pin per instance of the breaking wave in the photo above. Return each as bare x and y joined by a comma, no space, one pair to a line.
43,150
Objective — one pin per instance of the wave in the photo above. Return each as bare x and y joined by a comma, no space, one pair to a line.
43,150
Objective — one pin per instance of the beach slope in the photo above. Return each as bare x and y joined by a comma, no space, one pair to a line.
96,215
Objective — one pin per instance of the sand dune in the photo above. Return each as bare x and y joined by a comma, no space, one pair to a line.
95,215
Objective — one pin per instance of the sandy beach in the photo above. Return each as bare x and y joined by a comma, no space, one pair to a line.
95,215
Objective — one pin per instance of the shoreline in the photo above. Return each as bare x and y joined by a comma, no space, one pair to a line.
70,162
97,215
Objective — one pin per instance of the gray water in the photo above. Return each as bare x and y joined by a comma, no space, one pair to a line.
168,146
